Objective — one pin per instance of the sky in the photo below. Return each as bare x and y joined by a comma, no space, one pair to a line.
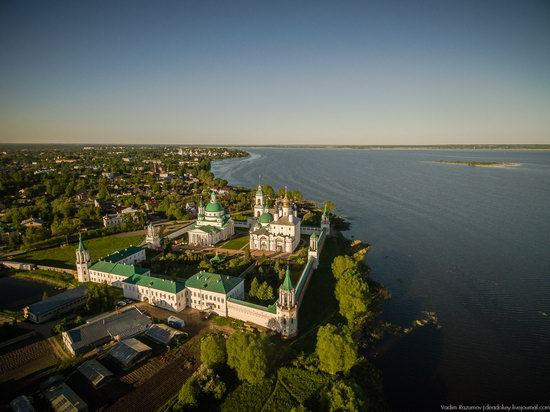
275,72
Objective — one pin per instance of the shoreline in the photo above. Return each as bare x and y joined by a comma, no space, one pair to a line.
477,163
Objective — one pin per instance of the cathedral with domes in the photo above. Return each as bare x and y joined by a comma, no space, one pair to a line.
277,228
213,224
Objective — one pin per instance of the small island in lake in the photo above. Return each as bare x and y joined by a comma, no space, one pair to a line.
478,164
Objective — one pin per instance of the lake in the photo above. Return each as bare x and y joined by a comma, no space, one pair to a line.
469,243
16,293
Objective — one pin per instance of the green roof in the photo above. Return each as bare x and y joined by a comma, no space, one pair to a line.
152,282
207,228
213,282
287,283
266,217
121,254
325,211
81,246
259,191
314,235
120,269
214,207
270,308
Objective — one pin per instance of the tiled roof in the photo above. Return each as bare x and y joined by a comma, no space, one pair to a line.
285,221
213,282
122,254
120,269
156,283
287,283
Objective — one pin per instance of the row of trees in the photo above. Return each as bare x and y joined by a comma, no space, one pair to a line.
261,291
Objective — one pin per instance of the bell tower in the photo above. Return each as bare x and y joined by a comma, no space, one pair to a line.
82,261
153,238
287,311
200,211
259,201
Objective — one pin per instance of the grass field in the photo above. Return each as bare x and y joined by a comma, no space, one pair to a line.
237,243
53,278
64,256
319,305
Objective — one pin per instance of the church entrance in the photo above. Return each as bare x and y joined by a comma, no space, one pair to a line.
264,244
280,245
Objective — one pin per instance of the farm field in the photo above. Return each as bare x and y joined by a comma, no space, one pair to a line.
24,358
64,256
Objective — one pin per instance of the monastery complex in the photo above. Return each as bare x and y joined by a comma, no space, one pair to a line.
274,228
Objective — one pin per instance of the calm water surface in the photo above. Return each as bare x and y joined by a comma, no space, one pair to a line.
16,293
471,244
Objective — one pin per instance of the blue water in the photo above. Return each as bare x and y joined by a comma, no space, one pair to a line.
471,244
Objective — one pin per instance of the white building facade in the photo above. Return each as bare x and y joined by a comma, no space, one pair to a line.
204,291
153,238
277,229
213,224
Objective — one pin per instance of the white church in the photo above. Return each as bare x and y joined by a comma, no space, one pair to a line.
276,229
213,224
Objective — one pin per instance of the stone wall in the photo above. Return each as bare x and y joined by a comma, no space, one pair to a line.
248,312
308,230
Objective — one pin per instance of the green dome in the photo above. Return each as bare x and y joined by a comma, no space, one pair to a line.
266,217
214,207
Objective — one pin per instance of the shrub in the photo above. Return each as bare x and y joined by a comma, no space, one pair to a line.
248,397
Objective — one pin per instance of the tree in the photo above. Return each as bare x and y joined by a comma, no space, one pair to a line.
254,287
99,297
189,392
213,350
329,204
341,264
352,293
343,397
247,354
335,349
210,383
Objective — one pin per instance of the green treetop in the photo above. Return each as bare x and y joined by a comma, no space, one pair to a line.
247,354
213,350
336,350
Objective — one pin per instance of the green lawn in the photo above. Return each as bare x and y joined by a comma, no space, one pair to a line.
319,305
64,256
62,280
237,243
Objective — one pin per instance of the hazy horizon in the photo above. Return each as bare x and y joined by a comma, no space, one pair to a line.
246,73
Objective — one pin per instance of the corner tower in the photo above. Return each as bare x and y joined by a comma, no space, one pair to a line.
287,311
82,261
